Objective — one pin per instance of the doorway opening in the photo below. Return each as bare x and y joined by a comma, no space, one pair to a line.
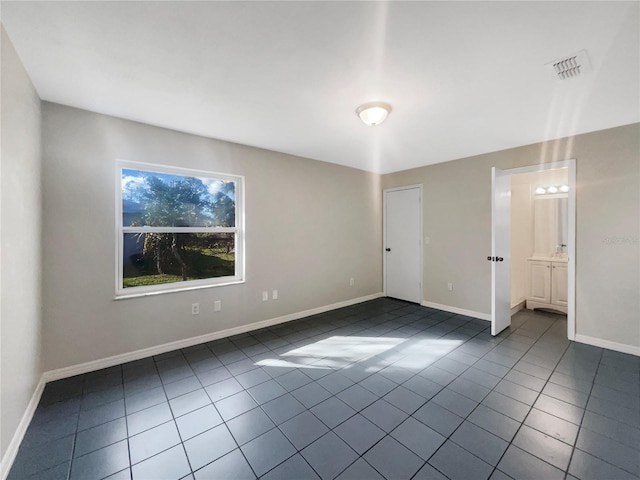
533,231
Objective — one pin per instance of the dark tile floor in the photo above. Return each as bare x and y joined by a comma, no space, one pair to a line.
382,389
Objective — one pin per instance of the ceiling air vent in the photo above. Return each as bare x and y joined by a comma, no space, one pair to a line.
571,66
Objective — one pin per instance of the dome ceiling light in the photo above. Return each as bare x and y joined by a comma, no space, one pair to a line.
373,113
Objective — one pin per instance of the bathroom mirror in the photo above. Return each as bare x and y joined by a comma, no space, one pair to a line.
550,228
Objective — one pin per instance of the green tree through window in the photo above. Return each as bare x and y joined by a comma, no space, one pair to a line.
178,228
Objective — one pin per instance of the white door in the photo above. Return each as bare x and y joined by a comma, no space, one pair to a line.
500,251
403,244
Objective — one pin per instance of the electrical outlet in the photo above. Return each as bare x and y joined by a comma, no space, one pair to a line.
217,306
195,309
274,295
265,296
352,282
450,286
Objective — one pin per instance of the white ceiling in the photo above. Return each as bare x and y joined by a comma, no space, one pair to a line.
463,78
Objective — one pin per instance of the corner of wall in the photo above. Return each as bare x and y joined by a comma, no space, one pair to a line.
21,272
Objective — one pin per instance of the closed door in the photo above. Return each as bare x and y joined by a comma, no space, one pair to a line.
403,244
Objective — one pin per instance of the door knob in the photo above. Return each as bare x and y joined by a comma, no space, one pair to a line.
500,259
388,249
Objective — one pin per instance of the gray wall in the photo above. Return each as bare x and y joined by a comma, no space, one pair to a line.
20,280
457,217
310,226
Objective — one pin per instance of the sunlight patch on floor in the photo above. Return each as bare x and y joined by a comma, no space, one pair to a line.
420,354
334,353
338,352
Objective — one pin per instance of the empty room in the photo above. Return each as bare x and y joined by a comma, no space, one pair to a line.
320,240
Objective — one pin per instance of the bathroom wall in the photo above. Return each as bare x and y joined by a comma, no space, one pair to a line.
521,236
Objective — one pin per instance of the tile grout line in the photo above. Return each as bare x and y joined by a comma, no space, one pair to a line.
173,419
312,380
532,405
574,447
331,430
480,403
361,323
75,434
447,438
126,424
388,434
80,399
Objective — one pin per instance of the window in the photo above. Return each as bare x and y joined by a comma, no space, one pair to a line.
177,229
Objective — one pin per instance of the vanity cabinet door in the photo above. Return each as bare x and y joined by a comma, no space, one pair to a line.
559,283
540,281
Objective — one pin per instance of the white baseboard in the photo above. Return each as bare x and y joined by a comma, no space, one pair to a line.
12,450
188,342
518,306
459,311
598,342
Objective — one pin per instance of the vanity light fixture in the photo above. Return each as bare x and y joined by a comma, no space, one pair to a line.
373,113
551,190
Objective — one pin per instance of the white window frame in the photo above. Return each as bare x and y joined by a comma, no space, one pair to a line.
239,245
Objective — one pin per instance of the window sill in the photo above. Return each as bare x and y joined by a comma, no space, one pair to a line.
125,296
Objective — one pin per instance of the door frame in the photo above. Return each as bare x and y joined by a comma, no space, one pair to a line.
570,164
384,236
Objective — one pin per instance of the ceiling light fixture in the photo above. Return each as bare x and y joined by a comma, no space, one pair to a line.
373,113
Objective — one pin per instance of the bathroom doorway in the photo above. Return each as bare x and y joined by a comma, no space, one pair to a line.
541,248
